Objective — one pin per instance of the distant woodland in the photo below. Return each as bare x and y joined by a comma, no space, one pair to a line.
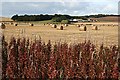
54,18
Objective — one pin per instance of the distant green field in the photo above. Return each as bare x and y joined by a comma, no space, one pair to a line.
39,22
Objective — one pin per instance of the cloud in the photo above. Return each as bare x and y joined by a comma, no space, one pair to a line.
111,8
60,0
34,5
71,8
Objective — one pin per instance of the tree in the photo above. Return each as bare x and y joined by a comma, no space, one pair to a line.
41,17
15,17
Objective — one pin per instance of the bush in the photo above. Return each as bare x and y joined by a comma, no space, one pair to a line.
65,21
43,61
56,19
59,19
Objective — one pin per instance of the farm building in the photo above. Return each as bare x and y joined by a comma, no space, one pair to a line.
81,20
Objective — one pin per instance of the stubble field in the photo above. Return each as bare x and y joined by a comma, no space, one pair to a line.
106,33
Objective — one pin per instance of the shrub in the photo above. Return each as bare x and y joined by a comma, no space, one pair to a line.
38,60
65,21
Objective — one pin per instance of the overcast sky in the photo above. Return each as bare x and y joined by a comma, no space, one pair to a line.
12,7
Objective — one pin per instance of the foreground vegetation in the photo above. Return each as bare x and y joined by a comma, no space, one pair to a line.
23,58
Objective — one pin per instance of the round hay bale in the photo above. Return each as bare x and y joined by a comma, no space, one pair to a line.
78,25
83,28
31,24
11,23
60,28
94,28
66,25
93,25
50,24
54,26
2,26
15,24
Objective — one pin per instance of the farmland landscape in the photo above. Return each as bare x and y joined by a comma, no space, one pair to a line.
70,33
60,47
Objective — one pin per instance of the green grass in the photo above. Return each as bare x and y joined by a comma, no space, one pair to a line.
41,22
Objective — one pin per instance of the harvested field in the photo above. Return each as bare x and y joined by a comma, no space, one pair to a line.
107,19
71,34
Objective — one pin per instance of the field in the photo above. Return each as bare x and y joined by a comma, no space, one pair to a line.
107,19
106,34
67,56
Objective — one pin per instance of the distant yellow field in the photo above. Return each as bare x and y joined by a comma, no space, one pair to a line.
107,19
5,19
71,34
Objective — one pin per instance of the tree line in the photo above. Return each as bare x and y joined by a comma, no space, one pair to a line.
55,17
41,17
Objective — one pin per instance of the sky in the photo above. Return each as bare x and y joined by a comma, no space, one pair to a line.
73,7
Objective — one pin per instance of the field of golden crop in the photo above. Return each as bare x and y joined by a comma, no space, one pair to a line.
71,34
71,61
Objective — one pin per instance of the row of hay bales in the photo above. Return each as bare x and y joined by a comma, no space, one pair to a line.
84,28
78,25
2,25
112,25
31,24
15,24
109,25
60,27
81,27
